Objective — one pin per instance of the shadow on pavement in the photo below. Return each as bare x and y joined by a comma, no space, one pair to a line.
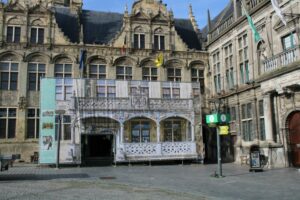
28,177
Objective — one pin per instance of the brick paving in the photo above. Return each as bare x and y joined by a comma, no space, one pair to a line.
174,182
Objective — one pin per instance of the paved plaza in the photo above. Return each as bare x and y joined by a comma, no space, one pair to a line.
170,182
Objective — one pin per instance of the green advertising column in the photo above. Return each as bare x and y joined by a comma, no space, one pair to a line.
48,145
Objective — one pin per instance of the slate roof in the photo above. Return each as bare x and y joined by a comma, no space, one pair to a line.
102,27
220,18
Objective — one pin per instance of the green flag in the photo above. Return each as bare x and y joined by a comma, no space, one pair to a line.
257,37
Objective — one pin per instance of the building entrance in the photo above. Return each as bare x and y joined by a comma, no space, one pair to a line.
294,136
97,149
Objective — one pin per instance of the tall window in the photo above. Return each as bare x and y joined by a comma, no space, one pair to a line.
37,36
150,73
65,127
35,72
63,70
13,34
9,75
106,88
159,42
174,74
140,131
232,119
97,71
217,72
33,120
64,89
8,123
243,59
139,41
198,77
247,124
172,131
262,131
289,41
124,73
229,66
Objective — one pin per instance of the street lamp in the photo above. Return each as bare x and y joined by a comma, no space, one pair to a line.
59,114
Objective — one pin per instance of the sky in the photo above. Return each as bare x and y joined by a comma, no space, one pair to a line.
180,7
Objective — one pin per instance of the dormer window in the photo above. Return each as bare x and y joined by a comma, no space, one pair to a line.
139,41
37,36
13,34
159,39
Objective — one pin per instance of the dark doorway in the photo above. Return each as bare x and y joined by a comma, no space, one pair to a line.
97,149
294,137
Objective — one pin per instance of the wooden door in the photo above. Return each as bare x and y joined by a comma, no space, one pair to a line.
294,134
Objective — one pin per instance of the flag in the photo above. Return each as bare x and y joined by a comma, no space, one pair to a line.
159,61
257,37
123,49
278,11
82,59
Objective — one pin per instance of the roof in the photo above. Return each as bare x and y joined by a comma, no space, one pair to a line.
102,27
220,18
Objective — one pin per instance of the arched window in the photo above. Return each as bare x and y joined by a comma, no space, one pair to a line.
149,71
9,71
159,39
174,74
36,70
97,69
63,68
139,38
37,32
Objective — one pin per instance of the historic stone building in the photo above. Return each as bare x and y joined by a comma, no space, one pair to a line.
258,83
117,98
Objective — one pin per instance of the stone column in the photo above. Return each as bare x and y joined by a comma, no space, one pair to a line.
158,133
122,133
50,70
268,117
22,101
193,132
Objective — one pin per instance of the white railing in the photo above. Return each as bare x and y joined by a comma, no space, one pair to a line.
281,60
156,151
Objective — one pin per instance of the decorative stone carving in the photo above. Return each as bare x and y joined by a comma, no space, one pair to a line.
22,103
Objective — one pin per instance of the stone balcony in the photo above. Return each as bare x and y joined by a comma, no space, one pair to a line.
282,59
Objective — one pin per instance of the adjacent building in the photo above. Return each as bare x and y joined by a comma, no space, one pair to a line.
257,82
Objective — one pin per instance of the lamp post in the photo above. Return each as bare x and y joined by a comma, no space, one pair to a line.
59,114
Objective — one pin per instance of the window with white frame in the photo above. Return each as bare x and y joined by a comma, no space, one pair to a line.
150,73
229,66
172,130
198,77
288,41
124,73
233,113
243,59
262,131
13,34
170,91
140,131
37,36
33,120
159,42
9,75
8,119
35,72
139,41
64,89
174,74
65,127
247,122
97,71
106,88
217,71
63,70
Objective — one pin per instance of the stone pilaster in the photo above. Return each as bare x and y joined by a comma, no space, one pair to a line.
268,117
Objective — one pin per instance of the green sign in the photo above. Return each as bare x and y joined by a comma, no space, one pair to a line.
217,118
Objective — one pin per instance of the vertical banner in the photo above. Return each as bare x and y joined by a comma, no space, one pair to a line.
48,143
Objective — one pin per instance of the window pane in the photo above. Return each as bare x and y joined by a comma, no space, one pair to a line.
12,112
58,68
3,112
14,81
4,66
136,41
2,128
67,132
41,36
68,68
17,34
11,128
142,42
42,68
156,42
102,69
4,81
31,113
162,43
120,70
9,34
14,66
33,36
30,128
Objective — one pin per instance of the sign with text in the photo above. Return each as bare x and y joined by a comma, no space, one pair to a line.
217,119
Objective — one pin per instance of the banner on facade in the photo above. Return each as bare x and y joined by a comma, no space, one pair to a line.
48,143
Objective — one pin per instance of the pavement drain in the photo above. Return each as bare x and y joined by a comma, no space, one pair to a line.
107,178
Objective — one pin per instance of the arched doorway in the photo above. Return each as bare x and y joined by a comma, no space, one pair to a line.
98,141
294,138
